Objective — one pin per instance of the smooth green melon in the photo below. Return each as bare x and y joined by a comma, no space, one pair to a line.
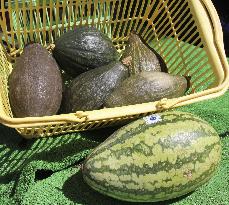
155,158
83,49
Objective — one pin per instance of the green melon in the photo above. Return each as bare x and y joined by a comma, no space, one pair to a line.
84,49
155,158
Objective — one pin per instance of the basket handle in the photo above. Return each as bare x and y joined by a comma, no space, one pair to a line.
86,116
215,20
78,117
218,41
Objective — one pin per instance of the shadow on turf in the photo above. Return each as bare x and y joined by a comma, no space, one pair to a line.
11,144
225,134
76,190
16,152
11,139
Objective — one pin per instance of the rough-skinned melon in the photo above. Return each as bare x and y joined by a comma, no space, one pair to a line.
147,86
35,84
89,90
138,56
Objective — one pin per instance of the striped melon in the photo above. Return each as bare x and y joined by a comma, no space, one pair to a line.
155,158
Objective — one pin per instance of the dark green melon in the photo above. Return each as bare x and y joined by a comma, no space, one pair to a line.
89,90
138,56
156,158
147,86
83,49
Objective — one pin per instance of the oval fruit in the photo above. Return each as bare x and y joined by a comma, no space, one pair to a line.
156,158
35,84
89,90
138,56
147,87
83,49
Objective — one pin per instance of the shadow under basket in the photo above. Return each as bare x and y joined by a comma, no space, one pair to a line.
186,33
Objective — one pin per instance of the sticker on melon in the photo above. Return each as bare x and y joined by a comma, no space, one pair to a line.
152,119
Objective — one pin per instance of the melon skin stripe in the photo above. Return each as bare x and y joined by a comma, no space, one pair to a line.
155,162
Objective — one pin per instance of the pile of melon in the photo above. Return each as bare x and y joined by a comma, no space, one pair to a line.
86,72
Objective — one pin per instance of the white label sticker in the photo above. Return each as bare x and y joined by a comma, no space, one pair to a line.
152,119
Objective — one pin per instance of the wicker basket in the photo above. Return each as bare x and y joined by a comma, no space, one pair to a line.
186,33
